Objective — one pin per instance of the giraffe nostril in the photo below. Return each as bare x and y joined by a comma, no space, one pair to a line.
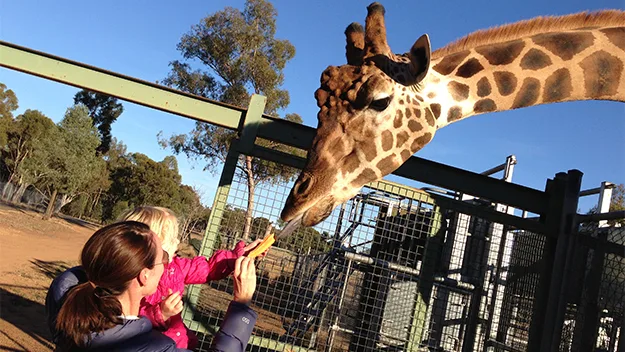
303,186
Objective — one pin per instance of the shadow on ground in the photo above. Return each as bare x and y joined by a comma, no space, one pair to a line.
26,315
51,269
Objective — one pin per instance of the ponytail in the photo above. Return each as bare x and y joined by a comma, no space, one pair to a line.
112,258
87,309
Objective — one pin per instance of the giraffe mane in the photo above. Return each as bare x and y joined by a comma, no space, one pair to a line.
525,28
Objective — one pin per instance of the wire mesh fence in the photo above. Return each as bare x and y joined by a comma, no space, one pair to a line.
595,304
393,269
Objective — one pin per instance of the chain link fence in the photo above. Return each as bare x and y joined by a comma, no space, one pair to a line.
393,269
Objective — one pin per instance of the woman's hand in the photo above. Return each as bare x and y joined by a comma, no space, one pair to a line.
244,280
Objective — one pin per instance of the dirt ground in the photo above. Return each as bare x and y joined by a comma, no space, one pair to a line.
32,252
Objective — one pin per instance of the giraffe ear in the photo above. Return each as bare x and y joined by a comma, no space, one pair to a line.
420,58
354,48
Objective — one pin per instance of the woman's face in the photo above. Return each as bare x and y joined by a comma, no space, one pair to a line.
154,274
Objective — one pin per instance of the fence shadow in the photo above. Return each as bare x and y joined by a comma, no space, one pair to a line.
26,315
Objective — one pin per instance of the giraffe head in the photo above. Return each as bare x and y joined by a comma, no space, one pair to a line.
370,120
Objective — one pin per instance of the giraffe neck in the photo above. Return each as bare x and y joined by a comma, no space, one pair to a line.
544,68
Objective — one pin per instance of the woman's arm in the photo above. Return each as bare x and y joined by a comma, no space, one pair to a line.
237,326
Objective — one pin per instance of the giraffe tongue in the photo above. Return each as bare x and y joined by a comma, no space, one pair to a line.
291,226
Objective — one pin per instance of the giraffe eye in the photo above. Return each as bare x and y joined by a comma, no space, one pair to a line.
380,104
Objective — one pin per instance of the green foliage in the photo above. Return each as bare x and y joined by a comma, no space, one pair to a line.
26,136
242,57
67,162
138,180
104,110
119,208
8,104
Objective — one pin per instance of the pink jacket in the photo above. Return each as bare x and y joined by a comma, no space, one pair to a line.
178,273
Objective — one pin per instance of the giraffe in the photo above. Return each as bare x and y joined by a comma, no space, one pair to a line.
381,108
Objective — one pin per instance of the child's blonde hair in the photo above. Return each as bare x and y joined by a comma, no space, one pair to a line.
162,222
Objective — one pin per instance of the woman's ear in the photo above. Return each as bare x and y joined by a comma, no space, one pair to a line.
143,276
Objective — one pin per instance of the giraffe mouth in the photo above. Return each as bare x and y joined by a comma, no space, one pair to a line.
318,211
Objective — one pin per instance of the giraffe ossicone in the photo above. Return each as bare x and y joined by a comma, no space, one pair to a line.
381,108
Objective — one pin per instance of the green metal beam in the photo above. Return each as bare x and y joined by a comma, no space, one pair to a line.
123,87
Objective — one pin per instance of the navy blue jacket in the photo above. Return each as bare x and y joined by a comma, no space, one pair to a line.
138,335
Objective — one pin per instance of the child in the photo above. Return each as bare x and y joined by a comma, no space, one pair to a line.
163,308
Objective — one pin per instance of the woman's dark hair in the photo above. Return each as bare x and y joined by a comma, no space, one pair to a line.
112,258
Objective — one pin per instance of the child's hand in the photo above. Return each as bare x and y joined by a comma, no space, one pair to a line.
172,305
253,245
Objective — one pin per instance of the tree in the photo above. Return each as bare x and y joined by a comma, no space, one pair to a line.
243,57
8,104
137,180
104,110
24,136
68,163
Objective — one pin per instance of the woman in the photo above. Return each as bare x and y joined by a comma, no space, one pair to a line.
95,307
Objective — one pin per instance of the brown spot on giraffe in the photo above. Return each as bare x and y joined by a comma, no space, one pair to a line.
414,126
528,93
402,137
417,112
602,71
431,95
398,119
506,82
469,68
458,91
408,113
419,142
369,150
501,54
405,154
449,63
564,45
336,147
387,140
387,164
483,87
455,113
429,117
436,110
484,105
616,36
534,60
558,86
367,175
352,162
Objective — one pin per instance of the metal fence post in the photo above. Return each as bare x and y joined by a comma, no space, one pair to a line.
585,329
549,305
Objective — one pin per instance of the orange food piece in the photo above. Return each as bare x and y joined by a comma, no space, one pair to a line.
263,246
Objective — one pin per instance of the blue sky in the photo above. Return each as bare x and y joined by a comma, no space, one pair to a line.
138,38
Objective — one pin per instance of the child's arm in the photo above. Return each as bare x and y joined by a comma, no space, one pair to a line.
201,269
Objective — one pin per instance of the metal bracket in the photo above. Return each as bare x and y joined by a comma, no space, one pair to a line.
251,121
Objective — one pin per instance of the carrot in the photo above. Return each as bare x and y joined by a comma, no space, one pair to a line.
262,247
